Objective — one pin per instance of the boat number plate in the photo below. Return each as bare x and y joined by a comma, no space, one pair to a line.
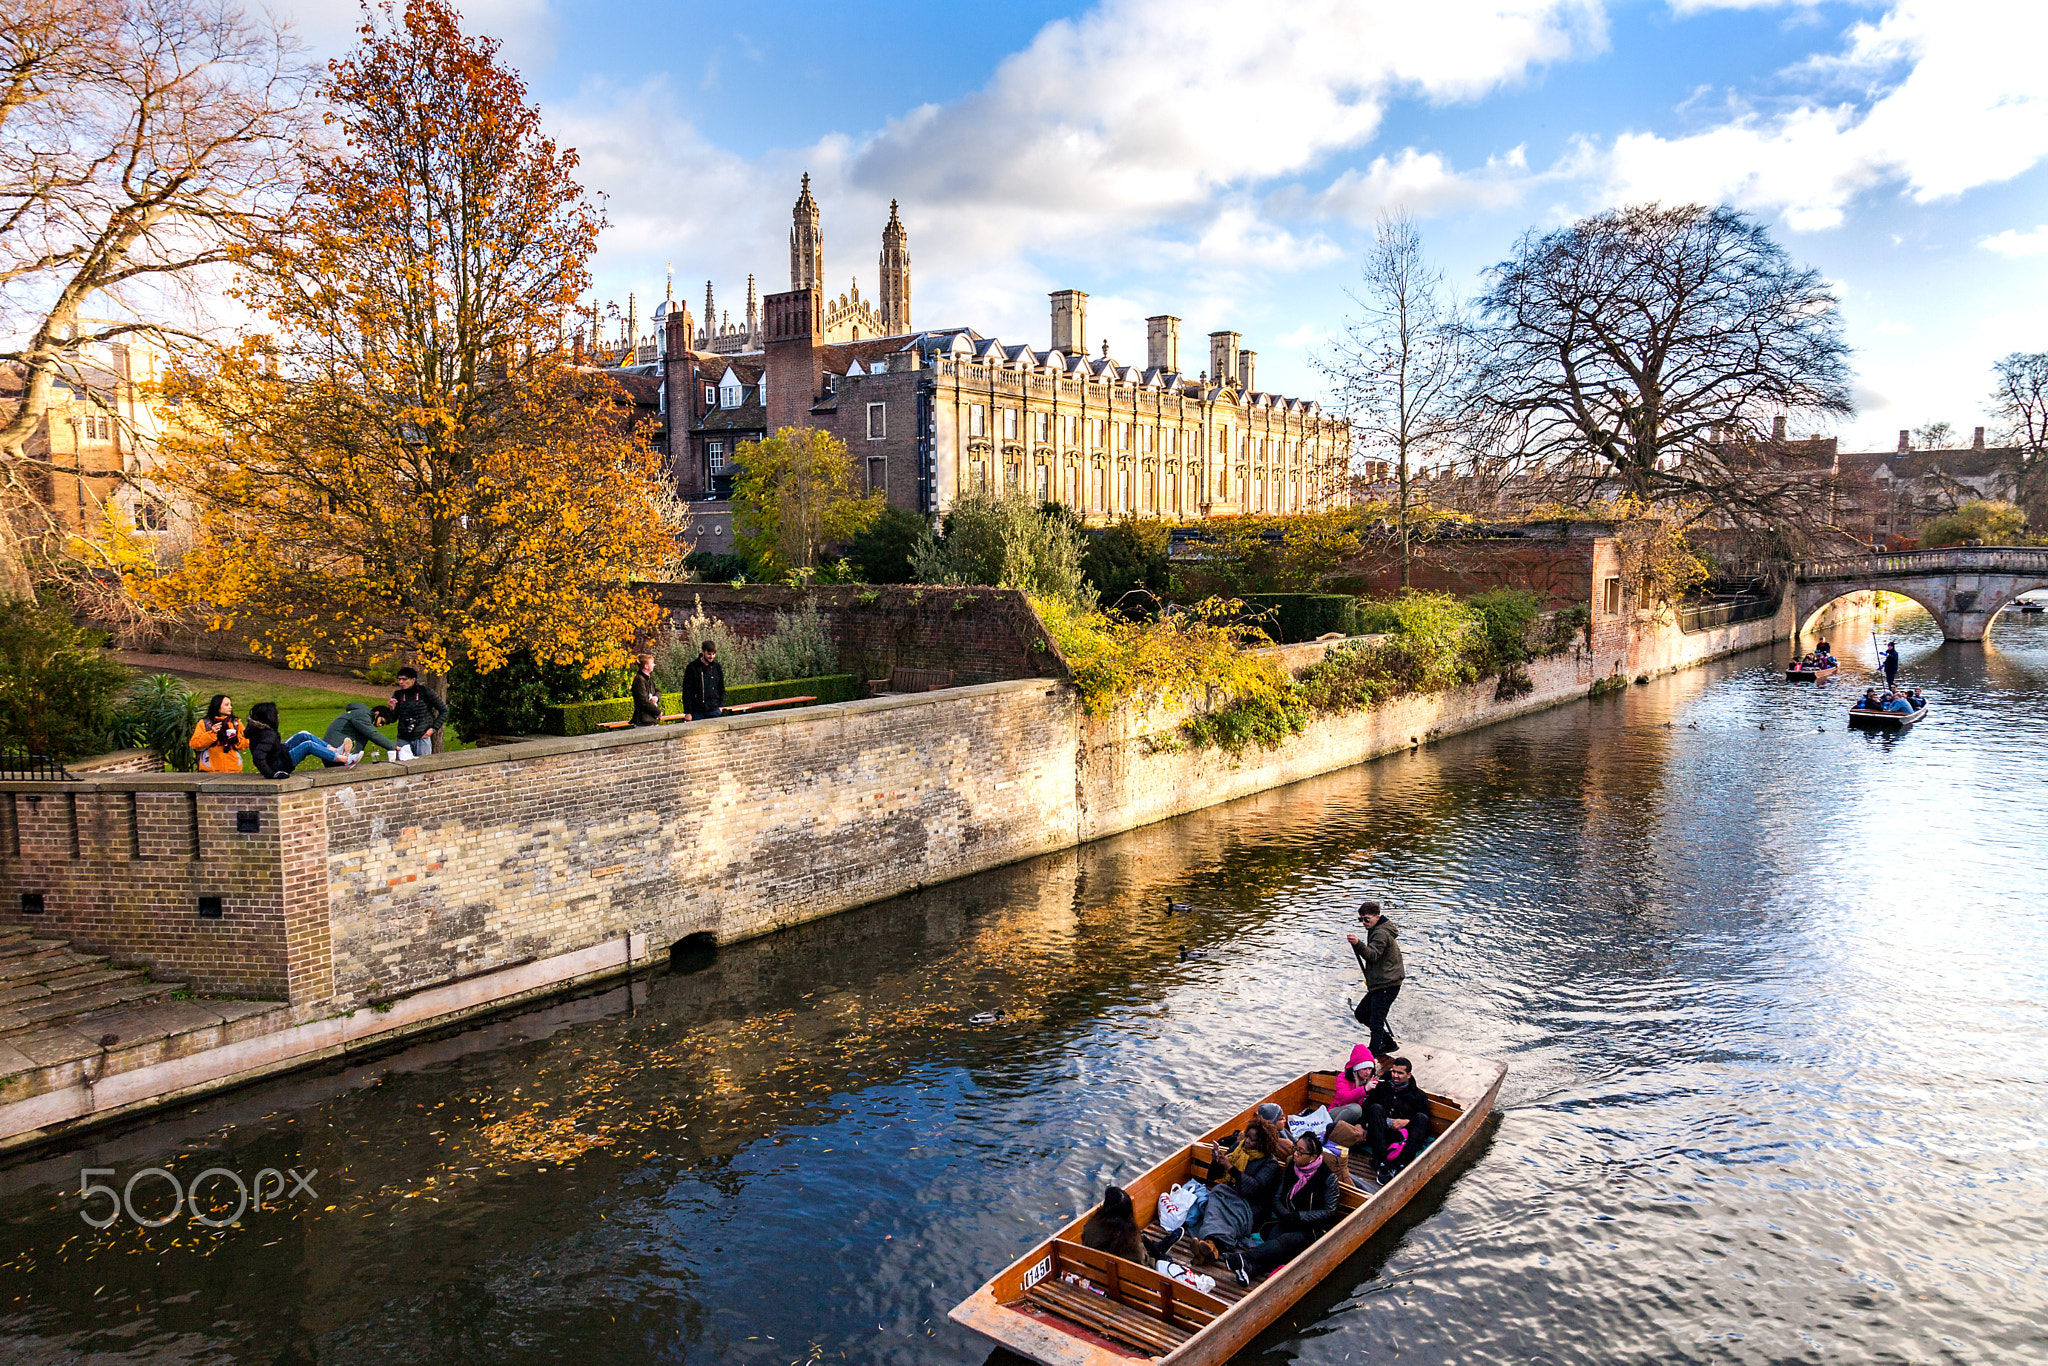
1038,1273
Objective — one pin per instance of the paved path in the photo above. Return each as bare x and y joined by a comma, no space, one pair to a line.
248,671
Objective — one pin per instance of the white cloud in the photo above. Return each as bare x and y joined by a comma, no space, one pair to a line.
1424,183
2013,242
1888,328
1954,100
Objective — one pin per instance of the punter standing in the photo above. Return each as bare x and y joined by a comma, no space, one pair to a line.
1380,955
1891,667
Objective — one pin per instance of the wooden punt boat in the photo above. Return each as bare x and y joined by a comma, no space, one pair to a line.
1798,675
1144,1316
1887,720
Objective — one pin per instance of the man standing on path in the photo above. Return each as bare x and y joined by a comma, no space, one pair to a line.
1380,956
704,684
1891,667
419,713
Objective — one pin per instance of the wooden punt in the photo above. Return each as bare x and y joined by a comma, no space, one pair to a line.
1811,675
1144,1316
1887,720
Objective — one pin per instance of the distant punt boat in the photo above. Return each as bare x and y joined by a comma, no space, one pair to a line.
1798,675
1127,1312
1886,720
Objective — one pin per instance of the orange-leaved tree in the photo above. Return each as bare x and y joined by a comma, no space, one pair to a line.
411,463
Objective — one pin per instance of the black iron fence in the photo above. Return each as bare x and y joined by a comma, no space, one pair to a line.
1704,616
23,766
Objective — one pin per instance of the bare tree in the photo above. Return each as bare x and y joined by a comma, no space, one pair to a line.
2019,405
1650,353
137,139
1404,368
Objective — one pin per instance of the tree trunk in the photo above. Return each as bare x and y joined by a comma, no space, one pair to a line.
1404,519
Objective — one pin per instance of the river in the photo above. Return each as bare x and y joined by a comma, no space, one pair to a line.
1771,994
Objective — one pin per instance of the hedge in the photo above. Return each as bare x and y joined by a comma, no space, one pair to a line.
1293,617
582,718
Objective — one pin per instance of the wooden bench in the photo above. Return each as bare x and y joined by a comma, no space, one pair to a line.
621,725
1137,1306
722,711
911,680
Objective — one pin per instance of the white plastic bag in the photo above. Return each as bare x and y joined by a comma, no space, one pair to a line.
1316,1122
1175,1205
1175,1271
402,753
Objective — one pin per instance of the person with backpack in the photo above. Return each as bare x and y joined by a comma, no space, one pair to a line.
1379,956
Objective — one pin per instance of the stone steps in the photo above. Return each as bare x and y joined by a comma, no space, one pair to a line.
46,982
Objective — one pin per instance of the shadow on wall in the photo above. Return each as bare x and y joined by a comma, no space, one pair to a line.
984,635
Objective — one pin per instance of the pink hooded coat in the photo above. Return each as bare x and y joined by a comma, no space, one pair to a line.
1346,1093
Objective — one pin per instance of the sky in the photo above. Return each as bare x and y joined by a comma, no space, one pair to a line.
1226,163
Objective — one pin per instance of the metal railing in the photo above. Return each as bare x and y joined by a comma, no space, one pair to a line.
41,768
1704,616
1954,559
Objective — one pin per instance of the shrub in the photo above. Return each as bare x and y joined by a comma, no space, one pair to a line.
1128,555
60,689
880,552
708,566
678,645
1116,660
1006,542
159,714
1505,616
1988,520
1292,617
513,698
799,647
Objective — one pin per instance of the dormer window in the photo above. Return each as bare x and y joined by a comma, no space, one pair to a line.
729,395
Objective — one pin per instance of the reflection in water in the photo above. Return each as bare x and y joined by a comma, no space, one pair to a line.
1770,992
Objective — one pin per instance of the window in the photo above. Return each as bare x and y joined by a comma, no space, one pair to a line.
1170,441
731,395
1611,597
714,451
1123,488
1009,424
1095,425
878,474
1102,487
977,420
1144,440
1067,425
1071,486
1151,489
977,476
1123,436
1041,427
1045,483
711,396
150,516
878,421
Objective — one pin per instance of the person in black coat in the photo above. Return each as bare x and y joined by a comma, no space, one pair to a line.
277,757
646,696
704,684
1399,1119
1304,1208
419,713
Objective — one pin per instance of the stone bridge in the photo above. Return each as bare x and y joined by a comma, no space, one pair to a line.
1963,586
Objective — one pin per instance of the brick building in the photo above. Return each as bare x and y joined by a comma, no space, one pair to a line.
96,444
936,412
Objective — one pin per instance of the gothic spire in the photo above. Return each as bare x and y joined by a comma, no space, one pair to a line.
895,275
806,242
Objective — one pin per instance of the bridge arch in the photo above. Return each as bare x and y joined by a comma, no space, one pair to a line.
1817,599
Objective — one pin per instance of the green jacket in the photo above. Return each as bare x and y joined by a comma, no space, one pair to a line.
1380,956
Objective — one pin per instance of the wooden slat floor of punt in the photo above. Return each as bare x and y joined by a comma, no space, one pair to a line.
1227,1288
1105,1316
1081,1331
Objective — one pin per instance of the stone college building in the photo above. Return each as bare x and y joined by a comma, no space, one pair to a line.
931,414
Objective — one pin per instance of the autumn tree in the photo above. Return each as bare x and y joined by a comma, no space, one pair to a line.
2019,407
139,139
797,492
1405,368
410,463
1647,352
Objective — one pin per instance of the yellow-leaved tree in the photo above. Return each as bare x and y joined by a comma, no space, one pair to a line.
798,491
411,463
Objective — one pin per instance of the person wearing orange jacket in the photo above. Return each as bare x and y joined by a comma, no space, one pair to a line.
219,737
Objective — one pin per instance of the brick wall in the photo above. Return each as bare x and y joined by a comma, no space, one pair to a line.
122,862
983,634
1559,570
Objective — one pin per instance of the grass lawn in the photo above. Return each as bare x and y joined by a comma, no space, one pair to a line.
298,708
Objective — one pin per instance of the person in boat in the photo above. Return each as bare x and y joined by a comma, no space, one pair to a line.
1897,704
1356,1087
1397,1127
1913,696
1379,957
1869,701
1890,663
1114,1228
1304,1208
1240,1202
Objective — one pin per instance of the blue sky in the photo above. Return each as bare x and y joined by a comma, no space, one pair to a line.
1225,162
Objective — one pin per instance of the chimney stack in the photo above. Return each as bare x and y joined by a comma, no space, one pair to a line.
1247,362
1977,443
1162,343
1778,430
1223,356
1905,439
1070,322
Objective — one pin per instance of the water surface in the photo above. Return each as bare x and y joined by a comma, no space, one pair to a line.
1770,992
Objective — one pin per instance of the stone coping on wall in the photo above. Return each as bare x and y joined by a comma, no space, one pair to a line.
539,748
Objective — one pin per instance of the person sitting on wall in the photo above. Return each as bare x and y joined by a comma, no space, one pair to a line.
1397,1127
1114,1227
1304,1208
356,730
277,758
219,737
704,684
